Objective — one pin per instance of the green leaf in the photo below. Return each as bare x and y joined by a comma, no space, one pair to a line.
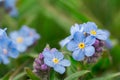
31,74
108,77
7,76
76,75
19,76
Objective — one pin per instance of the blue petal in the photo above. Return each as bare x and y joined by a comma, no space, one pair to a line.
79,37
28,41
48,62
21,48
78,55
10,3
65,41
102,35
60,69
48,54
14,35
13,12
58,55
90,26
64,62
13,53
74,29
53,50
5,59
89,51
108,43
3,32
90,40
72,45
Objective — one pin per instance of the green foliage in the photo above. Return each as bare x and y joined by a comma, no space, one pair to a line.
76,75
31,74
52,19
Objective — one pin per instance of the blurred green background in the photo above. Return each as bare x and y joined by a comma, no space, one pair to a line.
52,19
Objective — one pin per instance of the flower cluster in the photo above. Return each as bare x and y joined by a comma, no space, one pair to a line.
24,38
39,66
51,58
7,48
10,6
85,40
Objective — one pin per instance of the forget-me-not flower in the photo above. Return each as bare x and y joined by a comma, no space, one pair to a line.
11,6
30,32
55,59
81,46
73,30
7,48
22,41
91,28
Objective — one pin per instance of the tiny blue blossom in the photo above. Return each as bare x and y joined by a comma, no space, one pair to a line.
21,40
81,46
7,48
91,28
73,30
10,5
55,59
30,32
108,42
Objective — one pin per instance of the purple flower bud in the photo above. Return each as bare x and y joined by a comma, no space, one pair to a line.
99,50
37,68
102,43
37,61
41,56
44,67
96,44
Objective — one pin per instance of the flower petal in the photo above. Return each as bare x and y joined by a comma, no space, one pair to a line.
13,53
90,40
48,54
13,12
102,35
48,62
74,29
72,45
64,62
14,35
90,26
78,55
89,51
21,48
58,55
79,37
60,69
5,59
28,41
65,41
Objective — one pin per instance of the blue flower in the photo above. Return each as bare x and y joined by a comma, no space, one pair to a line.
73,30
55,59
7,48
81,46
91,28
30,32
10,5
21,40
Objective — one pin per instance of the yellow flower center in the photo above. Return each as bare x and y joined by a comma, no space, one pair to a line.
19,40
55,60
81,45
5,51
93,32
